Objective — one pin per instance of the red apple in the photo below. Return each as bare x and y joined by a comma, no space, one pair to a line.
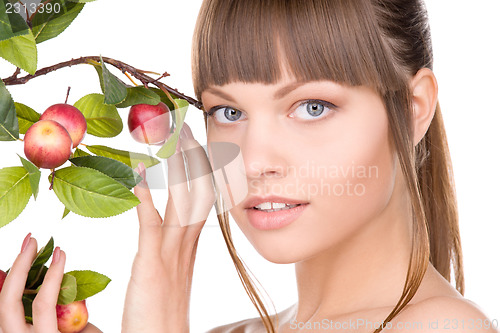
47,144
73,317
3,275
70,117
149,123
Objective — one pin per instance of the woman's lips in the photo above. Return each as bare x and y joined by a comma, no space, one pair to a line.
271,220
257,200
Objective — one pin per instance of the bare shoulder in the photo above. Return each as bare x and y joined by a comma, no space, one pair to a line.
254,324
243,326
446,314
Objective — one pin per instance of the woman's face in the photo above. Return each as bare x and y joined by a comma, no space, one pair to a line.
317,144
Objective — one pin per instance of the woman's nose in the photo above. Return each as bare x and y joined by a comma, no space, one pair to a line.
263,149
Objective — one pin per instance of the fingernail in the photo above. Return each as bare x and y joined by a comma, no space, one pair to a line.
56,255
26,242
186,132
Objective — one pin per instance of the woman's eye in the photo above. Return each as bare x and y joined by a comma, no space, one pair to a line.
313,109
225,114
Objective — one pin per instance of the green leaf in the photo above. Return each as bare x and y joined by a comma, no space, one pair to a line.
102,120
15,192
37,279
26,117
33,174
28,308
48,25
9,127
89,283
90,193
117,170
81,1
163,97
78,153
11,24
129,158
43,254
168,149
115,91
65,213
68,291
98,69
21,52
139,95
37,266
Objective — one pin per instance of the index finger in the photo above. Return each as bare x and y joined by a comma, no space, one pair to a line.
149,219
13,288
44,305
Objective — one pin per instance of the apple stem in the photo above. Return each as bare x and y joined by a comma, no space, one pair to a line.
67,95
30,292
176,106
130,78
52,180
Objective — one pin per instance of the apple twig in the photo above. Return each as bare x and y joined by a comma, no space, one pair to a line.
160,77
123,67
30,292
67,95
150,72
16,73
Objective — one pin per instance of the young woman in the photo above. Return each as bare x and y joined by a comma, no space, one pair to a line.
333,104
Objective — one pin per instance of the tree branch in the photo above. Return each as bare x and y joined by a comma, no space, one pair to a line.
14,76
123,67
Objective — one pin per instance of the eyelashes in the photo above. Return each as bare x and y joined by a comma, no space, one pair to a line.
308,110
228,114
314,108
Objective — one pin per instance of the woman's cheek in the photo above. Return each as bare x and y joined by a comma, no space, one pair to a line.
361,180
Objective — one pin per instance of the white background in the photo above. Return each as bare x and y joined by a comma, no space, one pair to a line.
156,35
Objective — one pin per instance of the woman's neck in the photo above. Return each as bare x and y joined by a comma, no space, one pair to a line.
367,270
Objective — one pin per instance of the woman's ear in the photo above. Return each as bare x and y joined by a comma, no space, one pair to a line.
424,91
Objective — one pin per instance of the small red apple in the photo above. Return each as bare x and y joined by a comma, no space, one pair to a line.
69,117
3,275
73,317
47,144
149,123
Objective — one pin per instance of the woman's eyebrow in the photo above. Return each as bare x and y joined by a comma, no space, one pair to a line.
220,93
282,92
279,94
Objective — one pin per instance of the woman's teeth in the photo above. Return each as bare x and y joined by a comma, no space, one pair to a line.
274,206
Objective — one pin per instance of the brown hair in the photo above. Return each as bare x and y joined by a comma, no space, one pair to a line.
377,43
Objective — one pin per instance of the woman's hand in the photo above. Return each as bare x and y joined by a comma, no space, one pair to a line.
44,306
159,290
